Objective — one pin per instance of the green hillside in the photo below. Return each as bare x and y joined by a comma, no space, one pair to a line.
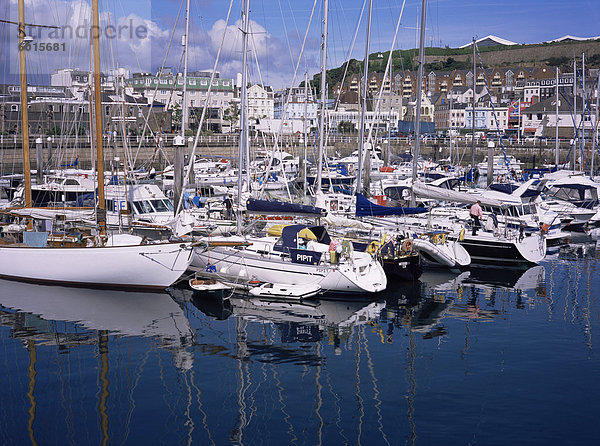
447,59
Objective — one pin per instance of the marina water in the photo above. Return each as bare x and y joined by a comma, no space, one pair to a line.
488,356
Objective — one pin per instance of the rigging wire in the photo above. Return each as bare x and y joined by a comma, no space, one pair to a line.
205,108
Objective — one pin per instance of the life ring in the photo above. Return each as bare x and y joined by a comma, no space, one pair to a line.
544,229
373,247
461,235
407,246
333,205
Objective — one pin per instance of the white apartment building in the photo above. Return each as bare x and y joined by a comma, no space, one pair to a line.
298,106
167,89
261,102
78,82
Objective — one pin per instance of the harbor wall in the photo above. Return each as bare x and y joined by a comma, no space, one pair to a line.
158,155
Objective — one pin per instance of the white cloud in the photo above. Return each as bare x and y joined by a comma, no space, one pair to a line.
139,43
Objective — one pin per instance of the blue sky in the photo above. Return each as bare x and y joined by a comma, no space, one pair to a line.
278,28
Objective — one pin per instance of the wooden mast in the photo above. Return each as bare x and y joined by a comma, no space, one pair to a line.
24,113
98,111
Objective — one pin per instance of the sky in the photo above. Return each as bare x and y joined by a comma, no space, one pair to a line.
141,35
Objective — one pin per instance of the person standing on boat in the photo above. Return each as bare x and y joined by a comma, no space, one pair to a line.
476,214
228,207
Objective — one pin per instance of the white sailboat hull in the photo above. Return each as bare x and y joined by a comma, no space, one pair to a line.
137,267
248,265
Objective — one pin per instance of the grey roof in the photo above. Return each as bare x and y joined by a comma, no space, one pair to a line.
549,105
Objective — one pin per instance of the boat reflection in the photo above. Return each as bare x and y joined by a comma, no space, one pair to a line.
422,307
308,320
121,313
506,278
61,319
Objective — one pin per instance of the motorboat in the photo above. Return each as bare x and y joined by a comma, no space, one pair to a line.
283,291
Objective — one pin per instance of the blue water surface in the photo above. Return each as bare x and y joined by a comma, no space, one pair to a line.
484,356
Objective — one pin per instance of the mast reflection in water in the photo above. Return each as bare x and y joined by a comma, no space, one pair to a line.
487,356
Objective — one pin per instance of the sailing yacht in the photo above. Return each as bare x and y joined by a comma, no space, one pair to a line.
116,261
299,256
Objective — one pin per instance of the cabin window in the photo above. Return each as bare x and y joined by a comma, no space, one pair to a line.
162,205
528,209
142,207
71,182
590,194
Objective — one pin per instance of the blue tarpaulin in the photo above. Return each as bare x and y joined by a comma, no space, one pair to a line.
282,208
364,208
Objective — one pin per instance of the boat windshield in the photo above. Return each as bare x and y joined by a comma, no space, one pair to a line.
143,207
529,209
162,205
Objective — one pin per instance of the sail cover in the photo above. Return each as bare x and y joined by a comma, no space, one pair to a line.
256,206
364,208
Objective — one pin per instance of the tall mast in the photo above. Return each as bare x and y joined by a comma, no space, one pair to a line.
574,110
556,144
583,106
244,137
361,139
419,94
101,212
597,126
24,113
323,98
303,173
473,105
184,112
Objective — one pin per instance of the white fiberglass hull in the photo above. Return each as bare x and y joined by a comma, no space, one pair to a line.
140,267
450,254
368,276
487,248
